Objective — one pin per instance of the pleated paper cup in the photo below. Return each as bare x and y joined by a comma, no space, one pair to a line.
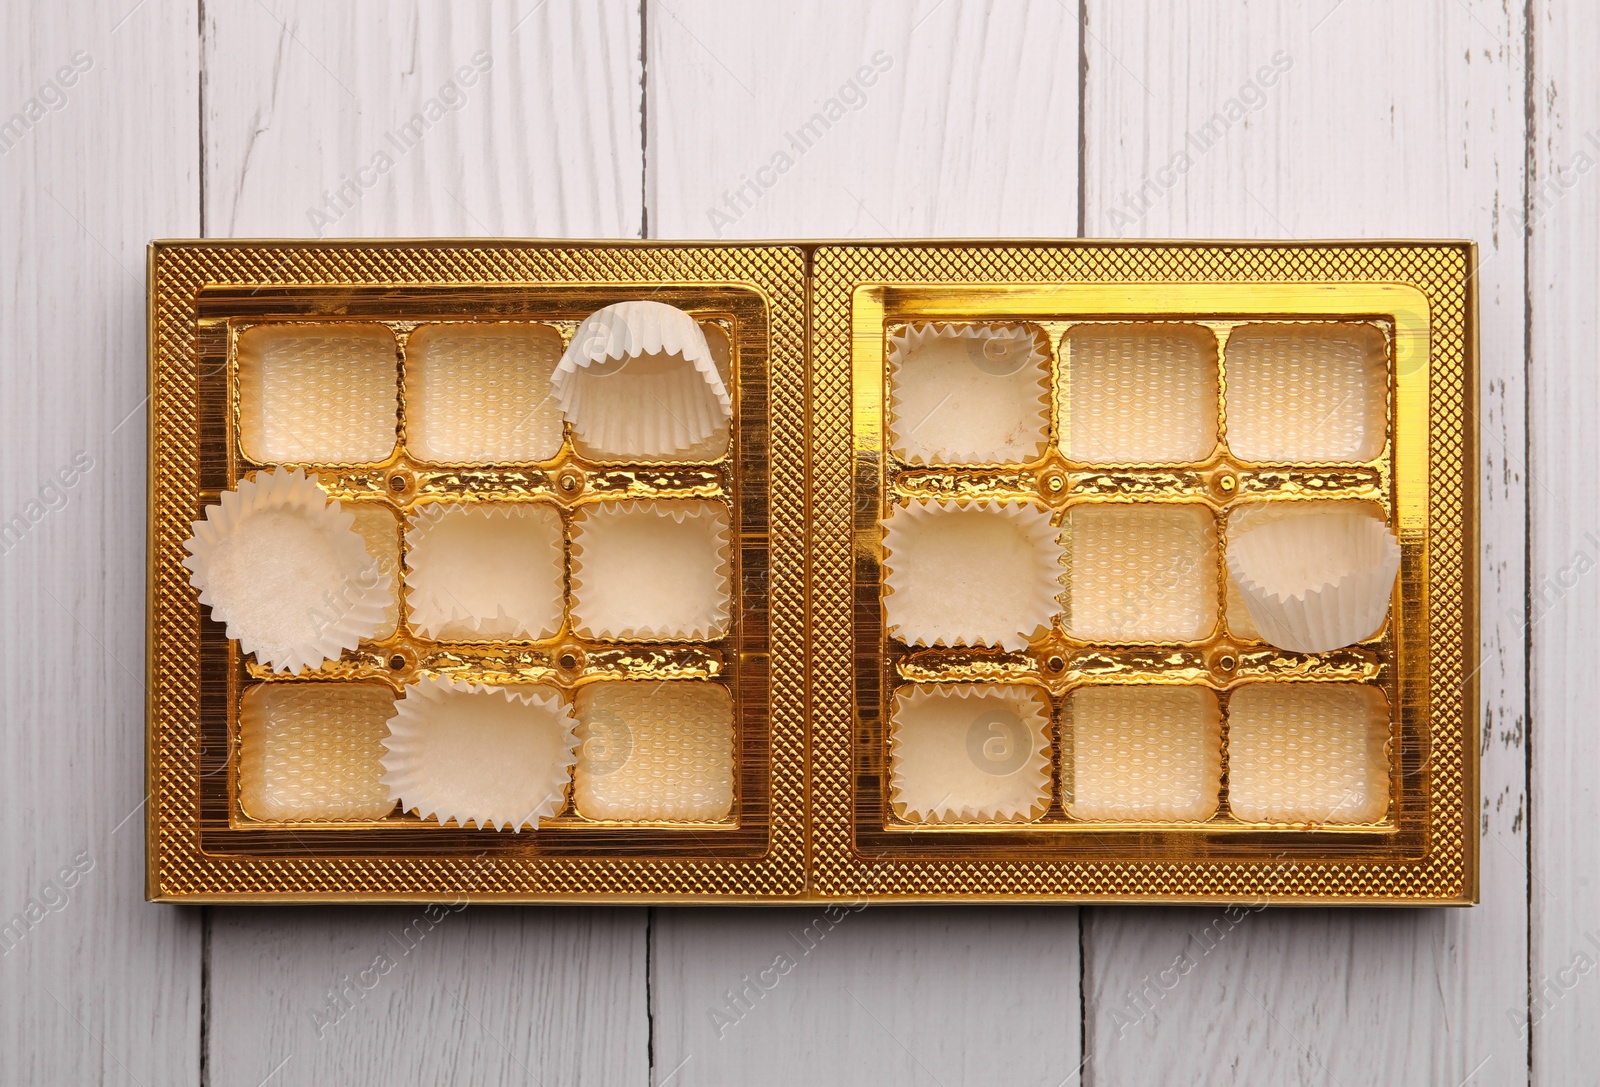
969,573
969,753
1316,581
282,566
968,393
656,570
486,571
476,755
639,379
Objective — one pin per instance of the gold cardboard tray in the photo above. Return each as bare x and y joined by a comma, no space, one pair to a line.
810,477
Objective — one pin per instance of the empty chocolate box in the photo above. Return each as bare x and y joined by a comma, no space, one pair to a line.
536,571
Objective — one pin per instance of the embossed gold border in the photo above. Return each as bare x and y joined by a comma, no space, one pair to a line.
1426,287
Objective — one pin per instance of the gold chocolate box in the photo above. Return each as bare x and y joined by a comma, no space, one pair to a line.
946,573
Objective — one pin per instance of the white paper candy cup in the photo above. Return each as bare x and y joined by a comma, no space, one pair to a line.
638,379
969,753
968,393
284,569
479,755
1316,581
978,573
485,572
658,570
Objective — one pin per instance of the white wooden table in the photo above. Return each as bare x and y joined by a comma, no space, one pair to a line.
630,118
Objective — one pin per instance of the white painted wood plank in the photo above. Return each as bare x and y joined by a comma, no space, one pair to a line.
935,119
1379,121
935,145
427,994
1563,420
96,987
301,101
865,995
512,120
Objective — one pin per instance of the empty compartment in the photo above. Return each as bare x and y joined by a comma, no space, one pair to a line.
982,573
480,394
652,570
1308,753
1139,393
314,393
380,530
968,393
1144,754
969,753
1307,392
312,751
654,751
1140,572
485,572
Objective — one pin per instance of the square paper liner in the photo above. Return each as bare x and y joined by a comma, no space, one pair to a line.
1140,572
657,570
654,751
968,393
1308,753
969,753
480,393
317,393
1143,754
1307,392
969,573
310,751
1139,392
485,572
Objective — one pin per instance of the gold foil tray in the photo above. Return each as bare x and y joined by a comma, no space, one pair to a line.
1138,402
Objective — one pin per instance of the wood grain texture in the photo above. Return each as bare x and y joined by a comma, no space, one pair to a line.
935,119
301,99
1354,119
1564,542
427,994
933,146
510,120
95,986
864,996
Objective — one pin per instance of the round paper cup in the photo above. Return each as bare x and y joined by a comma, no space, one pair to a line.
1317,581
638,379
283,567
476,755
